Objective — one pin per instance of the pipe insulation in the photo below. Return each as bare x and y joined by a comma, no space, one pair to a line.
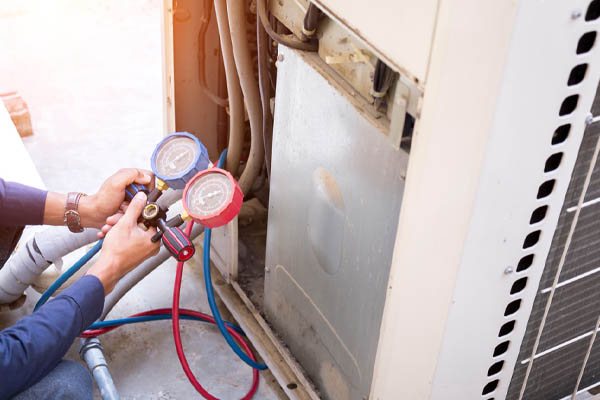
234,91
236,10
37,254
139,273
45,248
169,197
286,40
263,43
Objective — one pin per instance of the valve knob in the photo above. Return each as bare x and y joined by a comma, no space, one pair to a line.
133,189
178,243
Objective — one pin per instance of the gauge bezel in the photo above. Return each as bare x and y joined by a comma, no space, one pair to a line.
230,208
200,163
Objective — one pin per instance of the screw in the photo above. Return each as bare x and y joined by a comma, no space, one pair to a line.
280,57
589,119
576,14
508,271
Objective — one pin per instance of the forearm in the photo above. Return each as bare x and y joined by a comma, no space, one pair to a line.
20,204
54,211
32,347
107,270
23,205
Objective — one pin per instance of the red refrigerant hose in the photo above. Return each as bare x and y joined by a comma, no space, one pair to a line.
179,347
175,311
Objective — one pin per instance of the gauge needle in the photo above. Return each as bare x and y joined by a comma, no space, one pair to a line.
212,194
172,163
179,157
208,196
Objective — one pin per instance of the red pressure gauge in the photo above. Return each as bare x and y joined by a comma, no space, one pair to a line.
212,197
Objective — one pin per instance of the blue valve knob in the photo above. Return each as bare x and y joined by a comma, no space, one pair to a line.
133,189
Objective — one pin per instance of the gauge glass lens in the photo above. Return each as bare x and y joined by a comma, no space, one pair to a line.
176,155
208,194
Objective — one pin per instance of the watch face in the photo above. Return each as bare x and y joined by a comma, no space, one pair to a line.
176,155
209,194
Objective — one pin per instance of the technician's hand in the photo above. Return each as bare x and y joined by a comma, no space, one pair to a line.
125,246
109,200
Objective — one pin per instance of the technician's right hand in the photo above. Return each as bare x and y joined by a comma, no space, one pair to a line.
125,246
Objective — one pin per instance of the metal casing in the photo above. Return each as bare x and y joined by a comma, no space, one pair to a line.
201,163
336,191
496,86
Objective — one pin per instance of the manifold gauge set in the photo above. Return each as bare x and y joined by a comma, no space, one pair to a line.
211,196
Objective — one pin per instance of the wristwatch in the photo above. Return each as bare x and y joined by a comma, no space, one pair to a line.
72,217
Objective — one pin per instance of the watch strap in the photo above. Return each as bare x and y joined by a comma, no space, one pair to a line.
72,217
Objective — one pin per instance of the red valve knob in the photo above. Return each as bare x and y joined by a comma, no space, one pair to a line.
178,243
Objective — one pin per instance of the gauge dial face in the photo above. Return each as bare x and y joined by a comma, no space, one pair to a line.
176,155
209,194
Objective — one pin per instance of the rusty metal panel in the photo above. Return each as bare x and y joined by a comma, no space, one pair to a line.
336,190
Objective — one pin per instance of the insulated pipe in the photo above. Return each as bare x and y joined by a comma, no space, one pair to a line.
236,10
262,44
311,21
37,254
90,351
234,92
205,21
288,41
139,273
222,117
169,197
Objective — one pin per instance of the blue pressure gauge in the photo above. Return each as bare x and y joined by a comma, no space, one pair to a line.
177,158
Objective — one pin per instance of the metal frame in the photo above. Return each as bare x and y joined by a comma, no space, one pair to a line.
497,78
166,25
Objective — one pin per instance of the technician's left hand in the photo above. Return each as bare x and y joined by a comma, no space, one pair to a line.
109,200
125,246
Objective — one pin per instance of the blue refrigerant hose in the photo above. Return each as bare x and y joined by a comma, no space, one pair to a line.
211,295
115,322
155,317
68,273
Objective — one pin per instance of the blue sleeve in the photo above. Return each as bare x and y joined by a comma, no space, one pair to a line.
32,347
21,205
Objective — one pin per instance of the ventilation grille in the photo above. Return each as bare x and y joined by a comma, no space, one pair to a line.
576,302
551,376
575,307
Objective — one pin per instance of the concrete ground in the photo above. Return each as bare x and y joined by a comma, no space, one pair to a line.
90,72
